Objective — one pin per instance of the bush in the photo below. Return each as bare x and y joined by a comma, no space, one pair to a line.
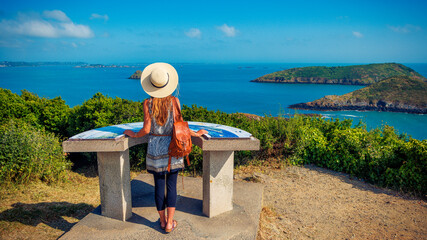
51,114
27,153
379,156
101,111
13,106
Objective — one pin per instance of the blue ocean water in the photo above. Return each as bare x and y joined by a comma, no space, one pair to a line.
224,87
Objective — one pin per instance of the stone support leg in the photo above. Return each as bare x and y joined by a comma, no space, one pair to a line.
217,182
114,184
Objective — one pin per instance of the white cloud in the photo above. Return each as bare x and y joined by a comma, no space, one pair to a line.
57,15
357,34
405,29
229,31
36,28
74,30
99,16
194,33
45,26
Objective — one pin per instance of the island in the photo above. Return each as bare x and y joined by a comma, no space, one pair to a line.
136,75
347,75
394,94
102,66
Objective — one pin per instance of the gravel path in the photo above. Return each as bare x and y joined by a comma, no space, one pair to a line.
314,203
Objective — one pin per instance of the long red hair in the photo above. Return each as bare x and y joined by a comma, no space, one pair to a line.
160,109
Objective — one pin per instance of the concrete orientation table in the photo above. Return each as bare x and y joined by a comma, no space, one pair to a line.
112,149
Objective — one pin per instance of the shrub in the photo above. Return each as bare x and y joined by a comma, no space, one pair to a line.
27,153
101,111
379,156
51,114
13,106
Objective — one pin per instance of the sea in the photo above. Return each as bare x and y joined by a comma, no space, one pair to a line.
223,87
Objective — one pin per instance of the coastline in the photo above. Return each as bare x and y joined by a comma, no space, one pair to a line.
305,106
308,82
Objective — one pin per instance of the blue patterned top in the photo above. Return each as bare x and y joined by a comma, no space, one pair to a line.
158,146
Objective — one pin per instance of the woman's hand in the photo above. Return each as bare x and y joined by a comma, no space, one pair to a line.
198,133
201,132
130,133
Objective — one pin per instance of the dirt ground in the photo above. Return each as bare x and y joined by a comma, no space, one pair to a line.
299,203
314,203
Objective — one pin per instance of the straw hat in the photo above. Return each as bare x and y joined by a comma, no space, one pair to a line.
159,80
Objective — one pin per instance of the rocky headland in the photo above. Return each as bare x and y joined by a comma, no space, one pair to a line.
394,94
346,75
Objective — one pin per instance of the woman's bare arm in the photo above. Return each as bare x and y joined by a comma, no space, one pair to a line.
147,124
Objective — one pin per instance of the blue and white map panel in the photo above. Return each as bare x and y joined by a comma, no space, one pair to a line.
218,130
116,131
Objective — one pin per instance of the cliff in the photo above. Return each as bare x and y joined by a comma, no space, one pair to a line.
347,75
136,75
394,94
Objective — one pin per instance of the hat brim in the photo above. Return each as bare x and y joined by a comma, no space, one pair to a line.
165,91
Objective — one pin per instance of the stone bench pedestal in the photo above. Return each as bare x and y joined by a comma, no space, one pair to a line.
114,170
114,184
217,182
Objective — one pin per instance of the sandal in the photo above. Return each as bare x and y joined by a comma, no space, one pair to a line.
174,225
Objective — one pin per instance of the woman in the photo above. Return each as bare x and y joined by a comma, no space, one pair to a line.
159,80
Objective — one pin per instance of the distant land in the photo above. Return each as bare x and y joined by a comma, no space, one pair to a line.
75,64
102,66
346,75
394,94
136,75
36,64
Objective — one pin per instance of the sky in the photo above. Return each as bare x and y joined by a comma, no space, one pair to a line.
218,31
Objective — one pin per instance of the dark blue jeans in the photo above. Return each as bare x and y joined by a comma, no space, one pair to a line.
169,200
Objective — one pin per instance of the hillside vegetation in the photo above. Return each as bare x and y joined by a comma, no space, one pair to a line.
380,156
397,94
347,75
